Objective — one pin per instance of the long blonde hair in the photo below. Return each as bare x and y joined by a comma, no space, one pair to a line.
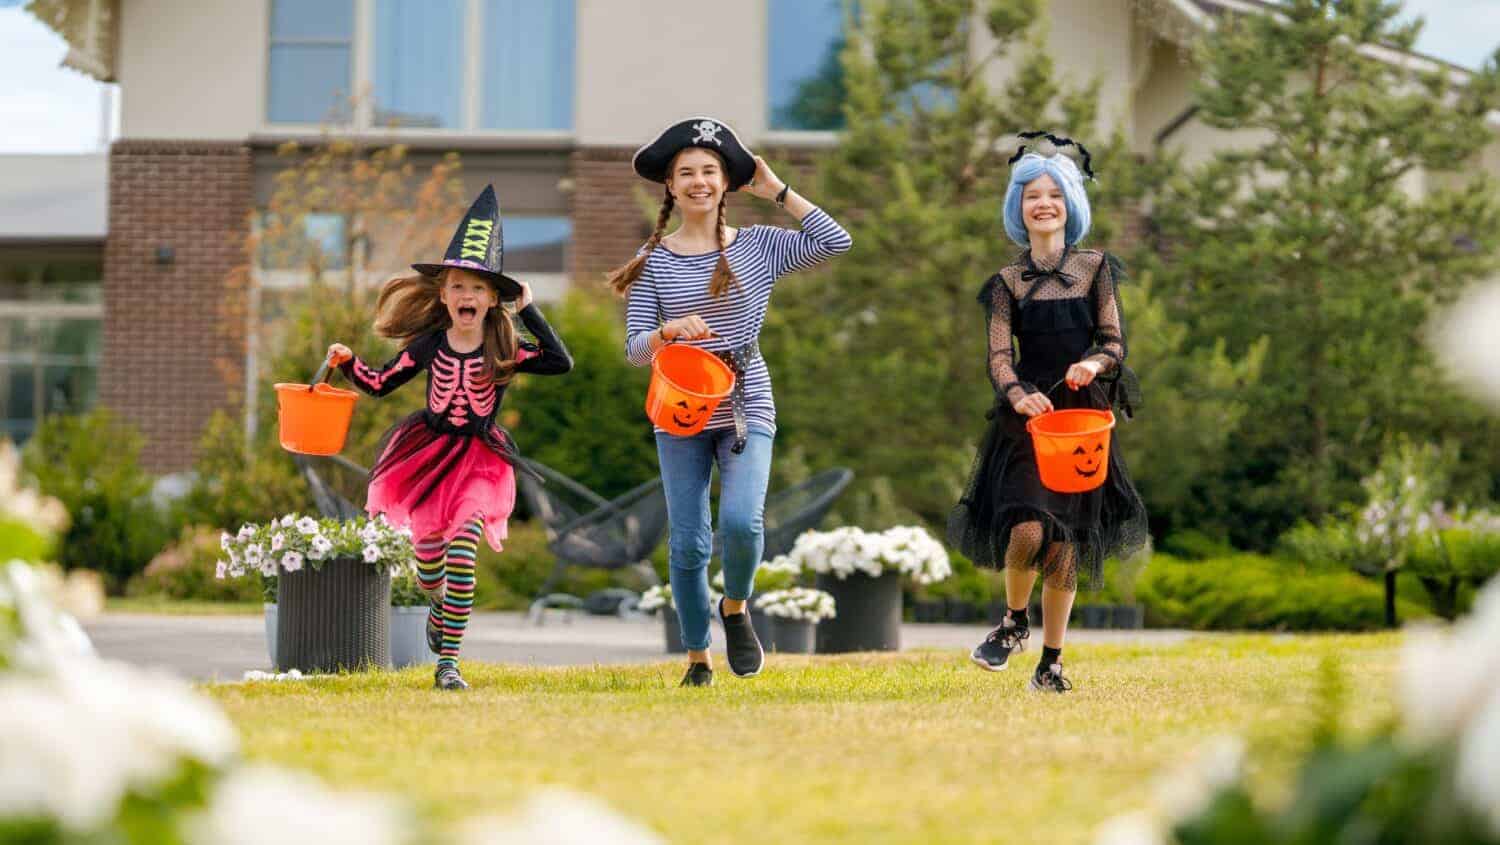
622,277
412,306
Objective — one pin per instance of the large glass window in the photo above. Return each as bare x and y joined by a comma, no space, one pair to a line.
537,244
311,55
51,318
435,64
527,80
805,80
419,63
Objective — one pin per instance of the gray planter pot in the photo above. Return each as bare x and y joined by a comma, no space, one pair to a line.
271,631
1094,616
764,630
1129,616
333,619
792,636
672,631
869,614
409,637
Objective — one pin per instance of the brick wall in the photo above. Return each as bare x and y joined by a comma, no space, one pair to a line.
174,339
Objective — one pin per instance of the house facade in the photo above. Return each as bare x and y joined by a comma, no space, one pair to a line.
544,98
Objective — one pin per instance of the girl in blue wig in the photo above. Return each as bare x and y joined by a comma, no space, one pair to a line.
1054,322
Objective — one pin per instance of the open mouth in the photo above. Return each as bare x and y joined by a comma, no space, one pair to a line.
468,312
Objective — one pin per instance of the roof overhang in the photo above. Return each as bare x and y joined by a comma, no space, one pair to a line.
89,26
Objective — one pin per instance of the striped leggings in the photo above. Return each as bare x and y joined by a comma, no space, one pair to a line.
450,566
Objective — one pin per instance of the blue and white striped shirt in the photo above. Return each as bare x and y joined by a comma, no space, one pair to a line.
672,286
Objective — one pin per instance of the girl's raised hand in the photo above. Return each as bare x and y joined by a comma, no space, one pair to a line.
691,327
338,353
525,298
1033,404
764,184
1081,374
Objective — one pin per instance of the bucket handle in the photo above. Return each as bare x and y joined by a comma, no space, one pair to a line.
1062,381
322,373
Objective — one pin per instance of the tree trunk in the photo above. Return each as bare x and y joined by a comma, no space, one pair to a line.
1390,598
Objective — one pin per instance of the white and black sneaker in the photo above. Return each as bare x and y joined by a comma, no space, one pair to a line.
1050,679
994,653
447,678
741,646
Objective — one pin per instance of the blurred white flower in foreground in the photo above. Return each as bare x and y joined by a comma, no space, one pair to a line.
1216,765
24,504
1447,675
1129,829
46,637
557,817
259,805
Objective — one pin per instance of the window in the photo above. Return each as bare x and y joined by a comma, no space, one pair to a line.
51,319
536,244
311,55
319,240
806,81
460,65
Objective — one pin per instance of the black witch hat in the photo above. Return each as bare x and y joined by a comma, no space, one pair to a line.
478,247
652,160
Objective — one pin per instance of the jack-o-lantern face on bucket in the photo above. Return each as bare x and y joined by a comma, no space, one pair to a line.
687,415
1087,458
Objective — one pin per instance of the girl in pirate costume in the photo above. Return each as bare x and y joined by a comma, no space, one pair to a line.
1054,322
709,285
448,471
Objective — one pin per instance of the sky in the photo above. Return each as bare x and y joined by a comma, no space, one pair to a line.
45,108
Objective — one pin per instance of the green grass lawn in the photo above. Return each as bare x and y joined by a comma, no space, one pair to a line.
917,747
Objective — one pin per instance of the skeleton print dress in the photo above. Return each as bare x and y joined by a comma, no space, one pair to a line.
451,461
1043,317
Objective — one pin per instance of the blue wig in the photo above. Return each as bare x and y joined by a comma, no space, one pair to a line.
1065,173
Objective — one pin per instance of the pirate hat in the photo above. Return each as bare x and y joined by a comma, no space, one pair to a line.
478,247
652,160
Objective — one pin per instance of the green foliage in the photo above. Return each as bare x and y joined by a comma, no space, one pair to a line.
588,424
510,579
887,348
236,481
185,570
22,541
91,463
1251,592
1311,220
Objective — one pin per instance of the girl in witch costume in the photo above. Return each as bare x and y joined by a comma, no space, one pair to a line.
448,471
1054,321
709,285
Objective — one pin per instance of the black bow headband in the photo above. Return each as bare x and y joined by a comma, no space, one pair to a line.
1059,143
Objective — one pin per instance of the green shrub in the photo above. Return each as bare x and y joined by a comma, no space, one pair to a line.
185,570
91,463
1251,592
1192,544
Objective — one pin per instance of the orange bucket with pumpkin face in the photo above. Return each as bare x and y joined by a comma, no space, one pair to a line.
314,418
687,384
1072,448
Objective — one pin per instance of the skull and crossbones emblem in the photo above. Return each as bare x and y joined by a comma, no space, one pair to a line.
707,131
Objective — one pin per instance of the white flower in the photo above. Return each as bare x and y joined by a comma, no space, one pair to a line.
1130,829
254,553
291,561
321,546
1446,677
246,532
557,817
289,520
1478,776
307,525
798,603
372,554
278,541
46,636
225,540
221,569
655,597
259,805
1187,791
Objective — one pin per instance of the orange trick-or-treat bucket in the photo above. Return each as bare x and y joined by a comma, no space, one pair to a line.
687,384
314,420
1072,448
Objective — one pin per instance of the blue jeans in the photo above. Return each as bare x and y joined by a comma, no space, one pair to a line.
686,467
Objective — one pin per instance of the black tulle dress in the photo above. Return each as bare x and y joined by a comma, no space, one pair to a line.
1045,316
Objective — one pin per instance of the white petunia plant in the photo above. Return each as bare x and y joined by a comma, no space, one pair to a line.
842,552
294,541
655,598
800,603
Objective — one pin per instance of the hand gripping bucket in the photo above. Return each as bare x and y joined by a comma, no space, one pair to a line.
314,418
1072,448
687,384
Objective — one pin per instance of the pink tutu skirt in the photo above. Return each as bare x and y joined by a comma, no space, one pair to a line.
434,482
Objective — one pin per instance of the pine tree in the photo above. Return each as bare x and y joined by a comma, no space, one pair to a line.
1308,233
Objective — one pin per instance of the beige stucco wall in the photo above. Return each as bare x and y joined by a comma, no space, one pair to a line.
646,63
192,70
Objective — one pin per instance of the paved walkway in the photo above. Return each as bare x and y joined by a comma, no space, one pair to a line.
225,647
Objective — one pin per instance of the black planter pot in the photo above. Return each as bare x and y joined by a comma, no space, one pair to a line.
1129,616
1095,616
335,618
672,629
764,630
869,614
792,636
1035,612
960,612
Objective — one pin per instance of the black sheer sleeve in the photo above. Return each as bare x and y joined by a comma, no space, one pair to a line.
549,355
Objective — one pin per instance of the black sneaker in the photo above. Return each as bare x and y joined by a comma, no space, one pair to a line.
1050,679
698,675
741,646
447,678
994,653
434,632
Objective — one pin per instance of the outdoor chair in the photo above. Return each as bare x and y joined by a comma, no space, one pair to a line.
796,509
